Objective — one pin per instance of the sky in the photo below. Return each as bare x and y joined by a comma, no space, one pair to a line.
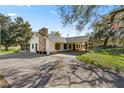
41,16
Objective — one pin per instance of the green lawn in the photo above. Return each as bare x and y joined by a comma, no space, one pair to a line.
105,58
2,51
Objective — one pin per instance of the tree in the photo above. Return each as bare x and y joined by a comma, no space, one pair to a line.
110,30
25,28
13,32
5,22
83,15
55,33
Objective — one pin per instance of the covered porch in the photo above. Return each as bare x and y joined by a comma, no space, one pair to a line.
80,46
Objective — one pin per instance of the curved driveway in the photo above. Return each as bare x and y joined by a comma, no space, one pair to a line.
58,70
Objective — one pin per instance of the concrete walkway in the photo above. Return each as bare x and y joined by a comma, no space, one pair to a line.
58,70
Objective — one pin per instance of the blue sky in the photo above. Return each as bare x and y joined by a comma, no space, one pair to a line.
40,16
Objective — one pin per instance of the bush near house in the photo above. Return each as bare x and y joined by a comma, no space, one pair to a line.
106,58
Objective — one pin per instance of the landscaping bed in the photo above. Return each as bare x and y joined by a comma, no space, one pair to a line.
106,58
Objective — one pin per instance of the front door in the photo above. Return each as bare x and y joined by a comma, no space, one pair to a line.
73,46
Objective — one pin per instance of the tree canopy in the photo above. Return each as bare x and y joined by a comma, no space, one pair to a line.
106,21
55,33
81,15
15,31
110,28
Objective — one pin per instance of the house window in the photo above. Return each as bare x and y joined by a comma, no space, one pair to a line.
77,46
57,46
32,46
81,46
69,46
65,46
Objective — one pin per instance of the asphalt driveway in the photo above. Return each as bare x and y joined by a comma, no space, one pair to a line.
59,70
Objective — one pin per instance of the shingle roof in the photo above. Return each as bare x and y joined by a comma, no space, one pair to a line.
77,39
70,39
56,39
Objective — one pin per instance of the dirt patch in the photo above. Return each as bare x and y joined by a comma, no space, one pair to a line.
3,82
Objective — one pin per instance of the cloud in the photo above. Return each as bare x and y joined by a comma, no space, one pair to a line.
53,12
28,6
11,14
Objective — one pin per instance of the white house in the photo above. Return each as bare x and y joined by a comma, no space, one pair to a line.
34,42
41,42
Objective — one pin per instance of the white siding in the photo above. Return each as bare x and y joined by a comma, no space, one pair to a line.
34,40
62,47
50,46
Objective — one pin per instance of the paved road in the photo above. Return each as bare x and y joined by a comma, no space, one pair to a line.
58,70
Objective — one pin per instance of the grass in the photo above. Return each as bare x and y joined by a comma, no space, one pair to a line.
2,51
106,58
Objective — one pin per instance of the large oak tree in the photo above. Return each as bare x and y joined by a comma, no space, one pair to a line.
98,17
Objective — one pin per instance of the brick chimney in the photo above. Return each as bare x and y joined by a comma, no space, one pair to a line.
43,33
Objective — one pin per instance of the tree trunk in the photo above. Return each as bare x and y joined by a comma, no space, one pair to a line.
86,46
106,41
21,47
6,47
89,46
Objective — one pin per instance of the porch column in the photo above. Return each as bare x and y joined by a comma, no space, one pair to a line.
62,46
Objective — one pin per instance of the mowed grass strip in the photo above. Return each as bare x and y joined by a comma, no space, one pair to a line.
2,51
105,58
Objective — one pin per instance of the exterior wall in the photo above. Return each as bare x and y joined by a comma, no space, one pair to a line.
50,47
80,46
34,40
77,46
62,47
